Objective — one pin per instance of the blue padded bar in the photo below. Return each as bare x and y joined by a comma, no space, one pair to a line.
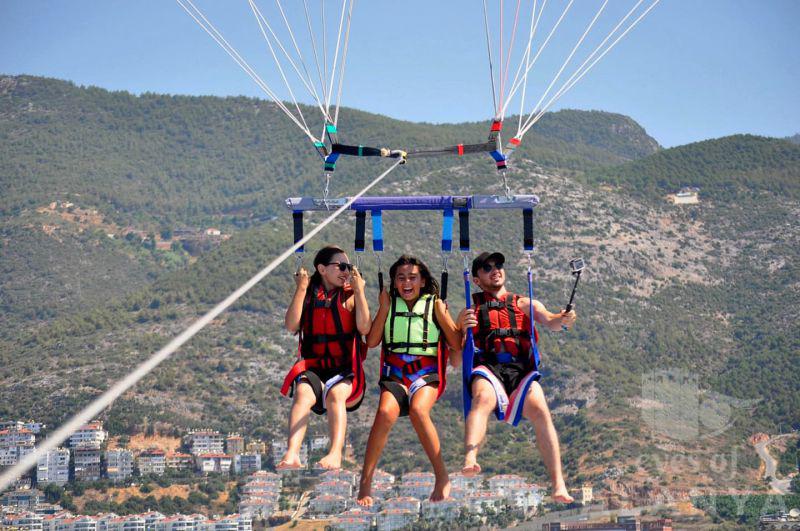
377,231
417,202
447,231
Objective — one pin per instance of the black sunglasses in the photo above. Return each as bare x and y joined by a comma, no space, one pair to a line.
343,266
487,268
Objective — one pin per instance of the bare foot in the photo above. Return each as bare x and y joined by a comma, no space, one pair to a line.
289,462
441,490
331,461
365,493
471,469
561,495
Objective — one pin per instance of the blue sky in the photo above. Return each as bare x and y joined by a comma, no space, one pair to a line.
691,70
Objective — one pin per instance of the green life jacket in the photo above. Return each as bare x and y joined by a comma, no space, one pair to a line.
412,332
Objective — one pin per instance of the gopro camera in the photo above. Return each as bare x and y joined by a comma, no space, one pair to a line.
576,264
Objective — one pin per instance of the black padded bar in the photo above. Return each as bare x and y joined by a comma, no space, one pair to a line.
360,242
527,227
298,228
463,230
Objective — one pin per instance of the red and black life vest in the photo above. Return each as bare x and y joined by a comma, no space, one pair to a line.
502,326
327,328
329,339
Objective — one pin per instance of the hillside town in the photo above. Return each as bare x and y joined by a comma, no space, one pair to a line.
323,499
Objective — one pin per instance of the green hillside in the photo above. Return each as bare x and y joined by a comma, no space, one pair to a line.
702,296
725,169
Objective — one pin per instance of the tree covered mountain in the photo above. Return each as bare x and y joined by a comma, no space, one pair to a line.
700,299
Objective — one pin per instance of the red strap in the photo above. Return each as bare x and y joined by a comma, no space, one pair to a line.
497,125
460,149
516,141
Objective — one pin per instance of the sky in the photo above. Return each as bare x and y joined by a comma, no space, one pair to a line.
691,70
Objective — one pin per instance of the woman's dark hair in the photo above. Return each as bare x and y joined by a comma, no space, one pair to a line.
431,287
323,257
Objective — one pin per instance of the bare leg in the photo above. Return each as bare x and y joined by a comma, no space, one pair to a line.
420,415
484,402
385,417
535,409
304,400
337,423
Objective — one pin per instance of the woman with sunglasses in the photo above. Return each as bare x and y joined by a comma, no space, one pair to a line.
413,323
330,314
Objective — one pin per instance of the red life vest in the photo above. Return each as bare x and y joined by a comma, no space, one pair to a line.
502,326
327,328
328,340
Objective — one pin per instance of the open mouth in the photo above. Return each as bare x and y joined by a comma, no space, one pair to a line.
407,291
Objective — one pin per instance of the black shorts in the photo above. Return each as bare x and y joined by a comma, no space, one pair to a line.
321,381
401,394
510,374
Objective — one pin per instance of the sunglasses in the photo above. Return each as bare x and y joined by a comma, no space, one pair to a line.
343,266
487,268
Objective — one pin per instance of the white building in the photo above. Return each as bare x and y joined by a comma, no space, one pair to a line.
405,503
35,427
479,501
86,461
382,491
119,464
220,463
339,475
23,520
278,450
415,489
180,522
502,483
526,497
53,467
444,510
319,444
327,505
233,522
50,521
261,489
77,523
205,442
382,477
234,444
10,455
361,522
246,463
262,507
460,481
152,518
16,436
152,461
133,522
335,487
395,519
89,435
179,461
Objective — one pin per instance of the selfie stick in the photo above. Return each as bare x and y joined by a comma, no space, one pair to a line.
576,265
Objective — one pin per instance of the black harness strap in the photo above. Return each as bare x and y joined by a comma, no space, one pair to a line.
360,243
337,323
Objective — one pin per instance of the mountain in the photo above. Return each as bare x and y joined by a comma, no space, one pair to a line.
686,341
795,139
723,168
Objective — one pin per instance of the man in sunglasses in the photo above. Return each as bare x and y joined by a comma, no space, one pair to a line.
505,373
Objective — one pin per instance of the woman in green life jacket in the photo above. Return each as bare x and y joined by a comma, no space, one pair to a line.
414,325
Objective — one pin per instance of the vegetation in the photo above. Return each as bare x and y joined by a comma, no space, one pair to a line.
684,293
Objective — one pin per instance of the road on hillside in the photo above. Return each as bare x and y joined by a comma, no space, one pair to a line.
771,465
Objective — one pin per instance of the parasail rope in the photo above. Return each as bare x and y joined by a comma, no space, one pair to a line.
261,23
495,108
115,391
538,53
335,57
566,62
344,62
571,83
231,51
314,45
